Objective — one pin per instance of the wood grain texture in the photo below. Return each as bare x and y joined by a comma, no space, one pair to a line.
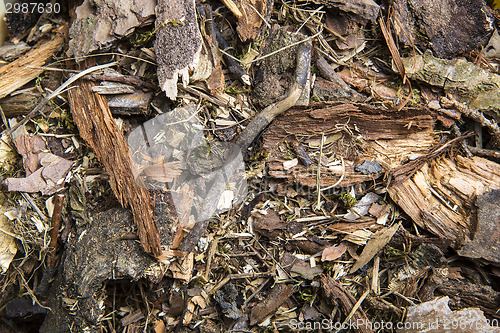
97,127
21,71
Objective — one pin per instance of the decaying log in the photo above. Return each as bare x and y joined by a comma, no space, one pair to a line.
21,71
97,127
440,195
354,133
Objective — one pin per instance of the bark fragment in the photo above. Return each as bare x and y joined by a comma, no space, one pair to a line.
435,316
486,239
97,127
451,27
178,42
389,138
340,296
469,83
99,23
250,22
278,295
367,9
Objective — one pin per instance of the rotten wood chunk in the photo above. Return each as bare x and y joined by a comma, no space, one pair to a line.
100,253
340,296
275,74
178,42
21,104
439,196
471,295
486,239
449,27
353,133
97,253
98,128
21,71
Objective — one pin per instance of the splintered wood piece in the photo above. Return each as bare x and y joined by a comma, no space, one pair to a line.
177,44
23,70
353,132
97,127
439,196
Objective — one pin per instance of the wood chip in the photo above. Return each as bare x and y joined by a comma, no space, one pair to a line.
19,72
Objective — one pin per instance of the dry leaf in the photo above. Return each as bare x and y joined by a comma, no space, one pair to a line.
333,252
374,245
47,179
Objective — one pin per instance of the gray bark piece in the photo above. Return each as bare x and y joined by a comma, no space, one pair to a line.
113,88
452,27
100,22
435,316
178,42
486,241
